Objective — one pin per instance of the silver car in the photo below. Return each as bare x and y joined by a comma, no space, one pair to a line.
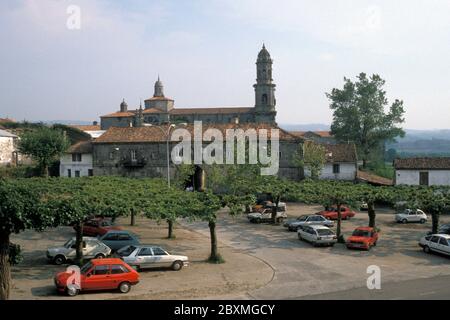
411,216
317,235
308,220
92,248
148,256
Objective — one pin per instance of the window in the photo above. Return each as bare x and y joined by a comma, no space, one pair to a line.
77,173
111,156
159,252
124,237
69,173
101,270
336,168
111,237
443,242
145,252
76,157
434,239
264,99
117,269
90,172
133,155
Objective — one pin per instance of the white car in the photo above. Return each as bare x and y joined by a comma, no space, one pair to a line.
308,220
411,216
317,235
266,216
148,256
436,242
92,248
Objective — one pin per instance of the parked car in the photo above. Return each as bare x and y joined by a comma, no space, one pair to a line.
332,214
410,215
147,256
317,235
443,229
116,239
92,248
363,238
266,216
98,227
307,220
98,274
436,242
269,205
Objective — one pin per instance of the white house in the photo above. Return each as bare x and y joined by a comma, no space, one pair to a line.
341,162
77,162
8,153
422,171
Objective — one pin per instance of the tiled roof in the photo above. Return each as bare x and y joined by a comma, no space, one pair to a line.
156,133
322,134
81,147
87,127
343,152
159,99
118,115
442,163
4,133
152,110
373,179
220,110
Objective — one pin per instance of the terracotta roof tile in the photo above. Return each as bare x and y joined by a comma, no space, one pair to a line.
81,147
227,110
86,127
159,99
152,110
343,152
323,134
442,163
373,179
118,115
155,133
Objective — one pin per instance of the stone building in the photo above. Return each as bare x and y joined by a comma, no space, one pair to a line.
160,109
77,161
8,148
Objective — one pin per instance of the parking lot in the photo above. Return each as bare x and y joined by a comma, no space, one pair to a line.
263,261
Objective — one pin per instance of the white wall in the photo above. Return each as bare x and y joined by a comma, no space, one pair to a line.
347,172
83,166
411,177
6,150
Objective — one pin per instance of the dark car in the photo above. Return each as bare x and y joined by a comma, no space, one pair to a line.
98,227
116,239
443,229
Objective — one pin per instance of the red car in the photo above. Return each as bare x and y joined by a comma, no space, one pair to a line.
98,227
98,274
363,238
332,214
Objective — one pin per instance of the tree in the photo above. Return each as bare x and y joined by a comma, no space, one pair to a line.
312,158
434,201
371,195
19,211
44,145
359,114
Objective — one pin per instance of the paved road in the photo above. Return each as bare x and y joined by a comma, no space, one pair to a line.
436,288
302,270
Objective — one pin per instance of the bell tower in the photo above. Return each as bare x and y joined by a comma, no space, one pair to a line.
264,88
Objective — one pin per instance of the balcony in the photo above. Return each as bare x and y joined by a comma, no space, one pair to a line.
134,163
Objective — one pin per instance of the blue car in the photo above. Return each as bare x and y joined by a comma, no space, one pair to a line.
116,239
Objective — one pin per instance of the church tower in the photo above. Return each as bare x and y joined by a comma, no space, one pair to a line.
264,88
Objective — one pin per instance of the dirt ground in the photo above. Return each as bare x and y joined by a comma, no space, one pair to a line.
33,278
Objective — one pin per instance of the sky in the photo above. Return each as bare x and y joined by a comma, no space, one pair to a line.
205,53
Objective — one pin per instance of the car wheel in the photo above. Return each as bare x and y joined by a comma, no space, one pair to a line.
59,260
72,291
125,287
404,221
258,220
422,221
177,265
426,249
99,256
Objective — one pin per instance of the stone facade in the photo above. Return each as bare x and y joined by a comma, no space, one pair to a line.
8,153
160,109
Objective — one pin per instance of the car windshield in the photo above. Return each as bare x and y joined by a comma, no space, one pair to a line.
361,233
106,223
126,251
84,269
324,232
68,244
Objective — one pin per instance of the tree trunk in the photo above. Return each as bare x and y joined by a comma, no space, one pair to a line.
170,223
133,218
364,162
214,257
338,227
275,210
435,222
79,242
371,213
5,267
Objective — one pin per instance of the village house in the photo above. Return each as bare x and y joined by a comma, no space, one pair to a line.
422,171
77,161
8,152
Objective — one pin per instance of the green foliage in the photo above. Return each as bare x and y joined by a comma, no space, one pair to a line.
381,169
15,254
359,116
312,158
44,145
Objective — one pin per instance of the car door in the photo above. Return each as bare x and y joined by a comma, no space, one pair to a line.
89,250
444,246
308,234
434,243
110,239
145,258
98,279
162,259
118,273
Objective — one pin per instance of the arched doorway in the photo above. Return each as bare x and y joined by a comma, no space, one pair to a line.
196,181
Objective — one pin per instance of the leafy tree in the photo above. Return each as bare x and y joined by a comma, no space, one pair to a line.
312,158
371,195
44,145
359,114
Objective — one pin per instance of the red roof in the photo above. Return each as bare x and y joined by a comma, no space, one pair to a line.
118,115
